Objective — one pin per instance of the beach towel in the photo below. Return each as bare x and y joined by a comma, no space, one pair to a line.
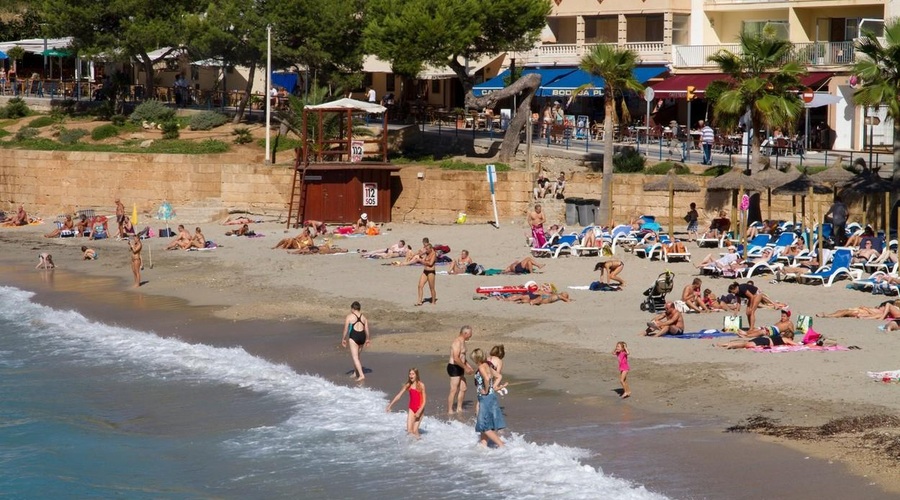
795,348
493,272
888,376
702,334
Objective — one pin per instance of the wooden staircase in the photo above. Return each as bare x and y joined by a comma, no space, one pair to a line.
297,205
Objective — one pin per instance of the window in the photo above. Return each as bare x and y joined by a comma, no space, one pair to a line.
601,29
645,28
779,28
681,30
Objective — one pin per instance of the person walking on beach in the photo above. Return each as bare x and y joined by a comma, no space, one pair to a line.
136,247
356,328
621,352
428,275
691,218
839,213
457,368
417,399
490,417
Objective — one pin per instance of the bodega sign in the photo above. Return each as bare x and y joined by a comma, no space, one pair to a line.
591,92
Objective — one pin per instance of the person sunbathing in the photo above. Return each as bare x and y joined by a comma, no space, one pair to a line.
781,338
238,221
549,298
82,225
316,227
783,325
865,253
730,260
767,227
856,239
460,265
182,241
718,227
302,240
198,240
593,237
714,304
67,225
241,231
523,266
325,249
882,311
398,249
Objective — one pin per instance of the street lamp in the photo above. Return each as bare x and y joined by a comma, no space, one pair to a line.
268,98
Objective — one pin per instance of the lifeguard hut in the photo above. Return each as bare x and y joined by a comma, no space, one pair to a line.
338,174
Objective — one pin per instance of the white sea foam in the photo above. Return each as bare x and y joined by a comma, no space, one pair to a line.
335,434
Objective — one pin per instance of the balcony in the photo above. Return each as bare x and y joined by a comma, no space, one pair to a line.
810,54
565,54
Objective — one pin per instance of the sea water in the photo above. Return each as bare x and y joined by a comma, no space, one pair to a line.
91,410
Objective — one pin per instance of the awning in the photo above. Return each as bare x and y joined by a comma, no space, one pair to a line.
372,64
285,80
823,99
566,85
677,85
37,45
548,76
352,104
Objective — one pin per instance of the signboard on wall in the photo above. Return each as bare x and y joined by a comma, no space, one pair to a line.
356,151
370,194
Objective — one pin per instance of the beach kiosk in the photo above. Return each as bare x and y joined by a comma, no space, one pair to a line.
339,175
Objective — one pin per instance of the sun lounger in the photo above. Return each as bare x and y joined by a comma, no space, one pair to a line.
839,266
564,243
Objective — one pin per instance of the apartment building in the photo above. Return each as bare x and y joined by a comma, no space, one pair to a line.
682,34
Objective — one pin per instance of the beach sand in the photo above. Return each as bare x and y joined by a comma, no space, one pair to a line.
558,354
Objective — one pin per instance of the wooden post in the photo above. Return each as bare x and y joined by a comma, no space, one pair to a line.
812,226
821,243
886,212
671,208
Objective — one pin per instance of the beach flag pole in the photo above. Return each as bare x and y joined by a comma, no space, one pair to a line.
492,179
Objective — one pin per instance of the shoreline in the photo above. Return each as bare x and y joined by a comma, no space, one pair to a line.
671,389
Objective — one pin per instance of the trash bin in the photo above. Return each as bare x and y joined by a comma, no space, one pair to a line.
585,214
594,211
572,210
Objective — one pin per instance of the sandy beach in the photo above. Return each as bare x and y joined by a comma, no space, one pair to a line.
562,348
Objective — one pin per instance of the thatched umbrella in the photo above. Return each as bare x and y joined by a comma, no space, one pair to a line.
865,185
771,178
835,175
671,183
803,186
736,182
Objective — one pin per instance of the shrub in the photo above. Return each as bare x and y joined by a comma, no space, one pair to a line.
104,111
717,170
242,135
43,121
118,120
65,107
152,111
71,136
628,161
664,167
26,133
170,130
104,132
464,165
207,120
15,108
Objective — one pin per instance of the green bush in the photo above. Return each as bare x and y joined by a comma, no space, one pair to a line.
26,133
15,108
118,120
628,161
71,136
65,107
104,132
242,135
42,121
663,167
152,111
170,130
207,120
464,165
716,170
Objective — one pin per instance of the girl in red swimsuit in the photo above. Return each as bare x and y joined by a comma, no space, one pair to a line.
416,401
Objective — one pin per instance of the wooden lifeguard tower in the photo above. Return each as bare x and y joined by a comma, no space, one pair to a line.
336,176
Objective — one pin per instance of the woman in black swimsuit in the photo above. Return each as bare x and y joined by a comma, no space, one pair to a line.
356,327
428,275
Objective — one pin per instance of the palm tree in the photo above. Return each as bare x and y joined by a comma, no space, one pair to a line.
616,67
880,74
761,82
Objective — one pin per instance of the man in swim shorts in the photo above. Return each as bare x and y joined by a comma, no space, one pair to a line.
457,369
783,325
670,322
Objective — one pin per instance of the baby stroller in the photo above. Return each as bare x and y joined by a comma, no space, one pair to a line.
656,294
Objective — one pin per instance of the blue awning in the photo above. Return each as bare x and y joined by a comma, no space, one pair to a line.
286,80
565,86
548,76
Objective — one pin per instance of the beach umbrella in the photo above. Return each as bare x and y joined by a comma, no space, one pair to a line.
134,215
165,213
770,178
671,183
737,182
804,187
3,55
835,175
866,185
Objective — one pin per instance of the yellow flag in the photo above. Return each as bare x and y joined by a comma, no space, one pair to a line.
134,219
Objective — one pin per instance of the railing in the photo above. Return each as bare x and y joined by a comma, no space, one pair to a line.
810,54
571,53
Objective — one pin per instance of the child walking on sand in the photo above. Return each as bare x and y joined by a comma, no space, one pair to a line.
416,390
621,352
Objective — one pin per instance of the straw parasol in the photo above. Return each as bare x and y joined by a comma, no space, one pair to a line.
736,182
803,186
835,175
671,183
771,178
866,184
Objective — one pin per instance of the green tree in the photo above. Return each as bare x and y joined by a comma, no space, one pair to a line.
616,66
762,82
122,30
235,32
880,74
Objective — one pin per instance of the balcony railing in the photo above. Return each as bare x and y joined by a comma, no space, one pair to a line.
570,53
810,54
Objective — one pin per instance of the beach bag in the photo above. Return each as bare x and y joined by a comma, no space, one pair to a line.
732,323
812,337
606,250
476,269
804,323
